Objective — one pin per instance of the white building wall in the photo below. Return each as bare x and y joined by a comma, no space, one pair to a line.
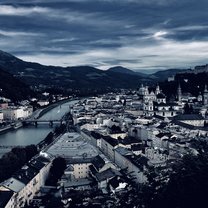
194,122
43,103
89,127
145,133
107,149
121,135
15,113
123,162
81,170
1,116
25,195
157,142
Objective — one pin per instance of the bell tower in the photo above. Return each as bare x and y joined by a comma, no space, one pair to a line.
157,91
205,95
179,93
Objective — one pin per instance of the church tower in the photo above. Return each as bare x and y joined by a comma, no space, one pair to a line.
179,93
157,91
205,96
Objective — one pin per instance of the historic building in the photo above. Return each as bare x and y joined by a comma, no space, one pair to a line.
205,95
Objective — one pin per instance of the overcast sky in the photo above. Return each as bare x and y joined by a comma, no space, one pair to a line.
138,34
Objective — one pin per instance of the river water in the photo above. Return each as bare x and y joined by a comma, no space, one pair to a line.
31,134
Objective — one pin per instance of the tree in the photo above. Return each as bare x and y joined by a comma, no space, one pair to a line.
56,171
49,138
9,163
31,151
21,155
185,186
15,159
60,129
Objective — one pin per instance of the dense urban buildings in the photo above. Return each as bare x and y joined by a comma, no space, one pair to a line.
114,136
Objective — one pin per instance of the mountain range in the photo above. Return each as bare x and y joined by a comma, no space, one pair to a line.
78,77
37,74
123,70
156,76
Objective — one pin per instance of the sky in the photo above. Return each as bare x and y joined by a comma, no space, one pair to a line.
141,35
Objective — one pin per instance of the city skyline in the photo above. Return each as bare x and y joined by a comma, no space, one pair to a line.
141,35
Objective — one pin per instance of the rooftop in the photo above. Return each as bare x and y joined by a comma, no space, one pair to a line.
160,96
189,117
26,174
139,161
123,151
77,183
129,140
98,162
13,184
110,140
137,147
106,174
73,146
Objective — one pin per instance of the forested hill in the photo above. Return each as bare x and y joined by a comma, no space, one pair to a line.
193,83
13,88
77,77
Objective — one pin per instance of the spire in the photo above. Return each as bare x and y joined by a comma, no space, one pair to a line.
146,92
205,88
205,95
157,91
179,92
179,86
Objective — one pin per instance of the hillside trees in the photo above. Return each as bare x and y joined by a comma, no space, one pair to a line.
15,159
184,185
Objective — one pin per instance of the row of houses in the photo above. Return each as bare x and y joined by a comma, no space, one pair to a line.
87,166
15,113
20,189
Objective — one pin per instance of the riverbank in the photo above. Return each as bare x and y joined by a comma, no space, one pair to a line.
31,134
53,105
11,127
36,115
6,129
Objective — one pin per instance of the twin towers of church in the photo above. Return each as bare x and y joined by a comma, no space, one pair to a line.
205,96
152,96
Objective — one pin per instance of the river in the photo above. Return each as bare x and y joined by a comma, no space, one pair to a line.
31,134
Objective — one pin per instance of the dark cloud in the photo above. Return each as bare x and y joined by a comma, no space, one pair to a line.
142,34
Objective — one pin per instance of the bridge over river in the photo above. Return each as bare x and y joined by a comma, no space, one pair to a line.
31,134
42,121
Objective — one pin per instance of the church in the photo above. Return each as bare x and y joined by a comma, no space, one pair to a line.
205,96
154,102
147,96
